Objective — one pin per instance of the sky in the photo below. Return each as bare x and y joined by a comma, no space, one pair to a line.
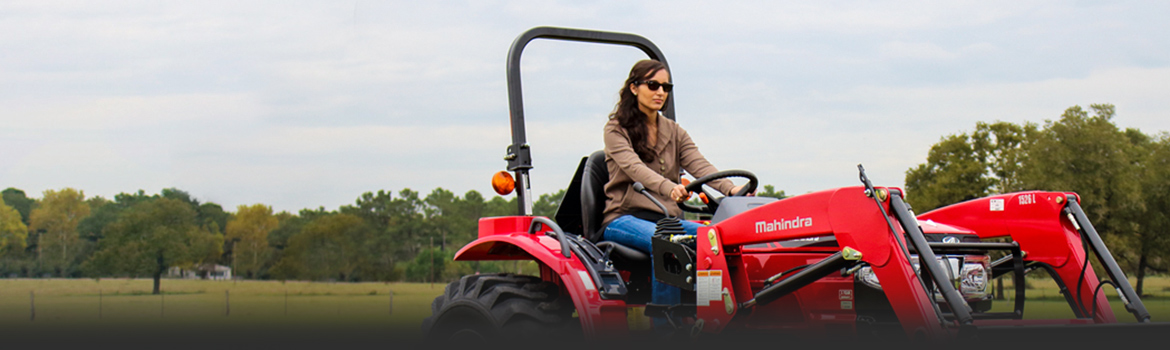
309,104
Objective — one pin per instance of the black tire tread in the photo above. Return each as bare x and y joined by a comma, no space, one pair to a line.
518,305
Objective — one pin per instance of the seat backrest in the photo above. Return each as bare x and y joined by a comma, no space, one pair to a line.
593,180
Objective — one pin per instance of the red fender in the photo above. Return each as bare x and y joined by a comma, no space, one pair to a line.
507,238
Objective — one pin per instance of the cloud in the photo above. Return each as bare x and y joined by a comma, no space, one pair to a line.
112,113
915,51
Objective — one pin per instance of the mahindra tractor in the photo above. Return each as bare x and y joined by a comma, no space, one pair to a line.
852,261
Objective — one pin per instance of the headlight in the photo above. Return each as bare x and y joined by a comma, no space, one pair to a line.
867,277
973,278
972,271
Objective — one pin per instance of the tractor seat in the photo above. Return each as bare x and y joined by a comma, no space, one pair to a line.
593,178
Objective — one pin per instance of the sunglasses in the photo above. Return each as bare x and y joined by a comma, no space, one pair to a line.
653,85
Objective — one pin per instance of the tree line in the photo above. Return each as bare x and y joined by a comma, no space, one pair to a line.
382,236
1121,175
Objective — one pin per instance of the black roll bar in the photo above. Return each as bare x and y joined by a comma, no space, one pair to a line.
1133,302
927,260
519,156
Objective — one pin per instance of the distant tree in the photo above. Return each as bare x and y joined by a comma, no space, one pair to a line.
397,223
212,217
961,167
290,225
328,248
179,195
442,214
127,200
56,220
13,231
953,172
90,227
499,206
150,237
1155,221
429,266
770,191
104,212
1003,147
472,208
16,199
405,223
209,216
279,236
247,234
547,204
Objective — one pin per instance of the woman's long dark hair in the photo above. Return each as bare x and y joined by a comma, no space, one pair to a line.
627,113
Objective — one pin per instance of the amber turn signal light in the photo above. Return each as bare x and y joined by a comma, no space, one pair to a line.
503,183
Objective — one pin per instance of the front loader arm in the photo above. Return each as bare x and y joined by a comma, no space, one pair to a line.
1050,228
858,224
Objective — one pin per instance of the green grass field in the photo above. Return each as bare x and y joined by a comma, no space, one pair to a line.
48,304
1044,300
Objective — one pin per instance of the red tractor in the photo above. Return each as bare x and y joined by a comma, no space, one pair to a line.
852,261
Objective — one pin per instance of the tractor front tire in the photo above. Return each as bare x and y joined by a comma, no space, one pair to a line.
495,306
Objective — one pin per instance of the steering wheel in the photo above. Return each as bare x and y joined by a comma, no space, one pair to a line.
712,201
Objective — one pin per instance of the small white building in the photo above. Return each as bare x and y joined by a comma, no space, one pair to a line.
205,271
218,272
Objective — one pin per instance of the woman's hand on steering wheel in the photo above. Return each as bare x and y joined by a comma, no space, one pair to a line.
738,189
679,193
712,202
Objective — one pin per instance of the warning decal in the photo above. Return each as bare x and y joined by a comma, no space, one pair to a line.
996,204
710,284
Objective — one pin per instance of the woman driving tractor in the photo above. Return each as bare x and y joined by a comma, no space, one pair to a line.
643,146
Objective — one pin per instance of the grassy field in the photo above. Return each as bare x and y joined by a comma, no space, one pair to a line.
1044,300
36,305
46,305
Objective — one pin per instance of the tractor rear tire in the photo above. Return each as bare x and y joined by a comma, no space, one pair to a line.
489,307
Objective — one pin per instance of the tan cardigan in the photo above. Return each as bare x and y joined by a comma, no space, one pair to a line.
674,150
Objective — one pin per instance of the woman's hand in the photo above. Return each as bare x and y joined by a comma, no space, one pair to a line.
736,189
679,193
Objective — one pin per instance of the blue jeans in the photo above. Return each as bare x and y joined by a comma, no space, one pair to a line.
636,233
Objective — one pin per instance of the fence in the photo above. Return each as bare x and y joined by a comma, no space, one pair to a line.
81,302
402,306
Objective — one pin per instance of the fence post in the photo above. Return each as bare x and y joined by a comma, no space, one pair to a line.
227,303
99,304
432,274
32,304
391,302
286,301
162,306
